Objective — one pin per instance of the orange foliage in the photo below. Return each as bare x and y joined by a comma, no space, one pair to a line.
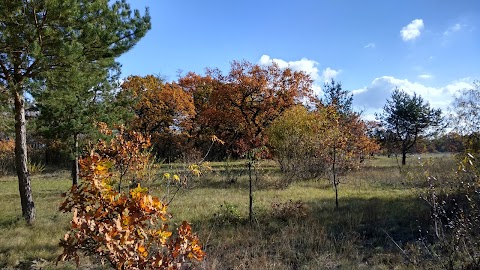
239,106
7,148
129,152
162,110
126,229
346,135
7,154
159,105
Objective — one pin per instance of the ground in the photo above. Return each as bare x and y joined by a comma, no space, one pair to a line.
380,217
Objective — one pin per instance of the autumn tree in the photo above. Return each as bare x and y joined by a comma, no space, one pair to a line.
345,136
161,110
251,97
239,106
408,117
207,119
37,36
259,94
319,143
294,144
345,143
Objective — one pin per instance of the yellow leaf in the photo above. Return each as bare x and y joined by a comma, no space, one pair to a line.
216,139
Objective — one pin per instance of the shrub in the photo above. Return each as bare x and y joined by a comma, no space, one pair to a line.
454,238
125,228
228,214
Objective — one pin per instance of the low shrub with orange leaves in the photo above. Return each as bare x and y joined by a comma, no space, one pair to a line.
124,228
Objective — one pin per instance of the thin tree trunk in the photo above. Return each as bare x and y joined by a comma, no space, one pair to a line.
24,185
250,202
404,157
75,169
335,184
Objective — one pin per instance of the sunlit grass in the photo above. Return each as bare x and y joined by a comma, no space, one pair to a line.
21,243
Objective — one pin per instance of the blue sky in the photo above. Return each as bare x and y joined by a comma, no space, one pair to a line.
431,47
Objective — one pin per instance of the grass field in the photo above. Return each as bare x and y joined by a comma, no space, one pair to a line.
295,227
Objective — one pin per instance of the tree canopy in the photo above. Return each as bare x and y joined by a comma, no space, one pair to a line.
161,110
240,105
408,117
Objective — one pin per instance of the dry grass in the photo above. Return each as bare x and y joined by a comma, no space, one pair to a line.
377,204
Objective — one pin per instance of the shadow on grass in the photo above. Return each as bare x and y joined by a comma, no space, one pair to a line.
359,231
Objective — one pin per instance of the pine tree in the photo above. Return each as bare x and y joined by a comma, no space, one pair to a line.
37,36
406,118
73,101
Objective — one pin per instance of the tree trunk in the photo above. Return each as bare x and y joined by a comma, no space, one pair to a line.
75,169
404,157
335,184
250,201
24,185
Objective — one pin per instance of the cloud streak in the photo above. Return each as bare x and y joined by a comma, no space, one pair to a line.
452,29
425,76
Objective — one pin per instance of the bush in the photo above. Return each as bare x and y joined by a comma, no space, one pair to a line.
227,215
125,228
454,237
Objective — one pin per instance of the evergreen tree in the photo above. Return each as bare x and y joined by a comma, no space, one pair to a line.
337,97
408,117
73,101
7,125
37,36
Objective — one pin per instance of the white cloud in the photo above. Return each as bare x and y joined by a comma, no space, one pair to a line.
425,76
373,97
329,74
412,30
370,45
308,66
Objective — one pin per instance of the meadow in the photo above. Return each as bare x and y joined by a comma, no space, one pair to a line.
377,225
